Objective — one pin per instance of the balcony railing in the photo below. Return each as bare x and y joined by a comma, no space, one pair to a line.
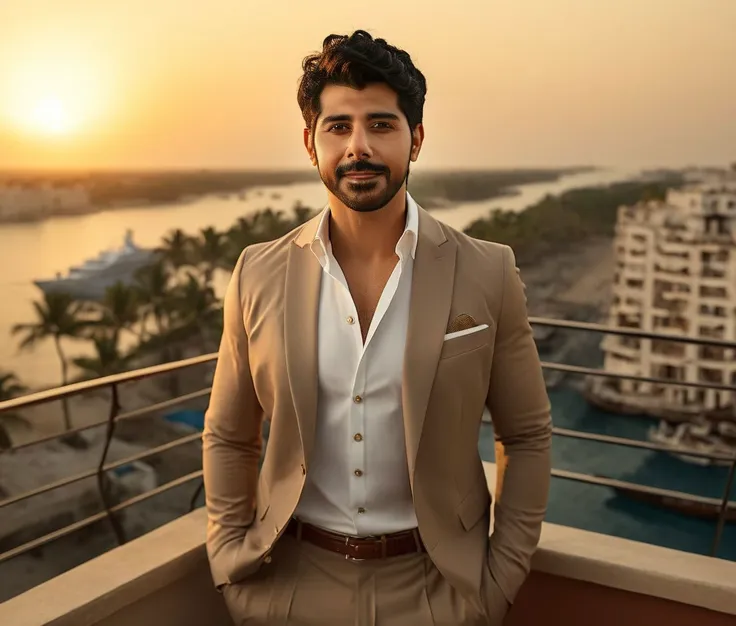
109,511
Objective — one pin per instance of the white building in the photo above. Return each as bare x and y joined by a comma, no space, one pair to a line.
675,274
27,202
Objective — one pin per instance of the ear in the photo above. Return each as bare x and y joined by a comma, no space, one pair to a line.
309,145
417,139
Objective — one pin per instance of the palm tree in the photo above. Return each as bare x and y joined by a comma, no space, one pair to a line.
120,309
177,248
196,311
10,387
108,359
153,285
58,315
263,225
210,252
239,236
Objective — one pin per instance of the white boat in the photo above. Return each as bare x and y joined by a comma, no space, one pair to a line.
89,280
688,437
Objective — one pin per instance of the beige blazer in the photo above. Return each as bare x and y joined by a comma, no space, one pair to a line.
267,368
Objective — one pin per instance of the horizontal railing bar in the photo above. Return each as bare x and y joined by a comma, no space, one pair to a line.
563,474
644,489
70,480
88,521
133,375
165,404
630,332
58,393
634,443
591,371
61,435
159,406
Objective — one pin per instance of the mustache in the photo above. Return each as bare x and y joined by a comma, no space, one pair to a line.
360,167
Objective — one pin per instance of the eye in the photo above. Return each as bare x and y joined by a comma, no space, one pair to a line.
385,125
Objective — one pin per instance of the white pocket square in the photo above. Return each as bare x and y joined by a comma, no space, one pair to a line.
467,331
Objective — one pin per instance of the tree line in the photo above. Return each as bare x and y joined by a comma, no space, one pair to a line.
171,304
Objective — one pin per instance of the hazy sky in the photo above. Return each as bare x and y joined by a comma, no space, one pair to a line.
185,83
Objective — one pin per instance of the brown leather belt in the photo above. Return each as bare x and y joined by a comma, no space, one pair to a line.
358,548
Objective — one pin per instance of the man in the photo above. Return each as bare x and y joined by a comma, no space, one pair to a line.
372,337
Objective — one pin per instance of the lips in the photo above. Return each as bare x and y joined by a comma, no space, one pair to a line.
361,175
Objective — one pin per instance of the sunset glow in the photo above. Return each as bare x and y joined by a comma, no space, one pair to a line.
143,84
51,116
53,97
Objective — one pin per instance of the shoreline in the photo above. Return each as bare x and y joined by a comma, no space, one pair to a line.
517,178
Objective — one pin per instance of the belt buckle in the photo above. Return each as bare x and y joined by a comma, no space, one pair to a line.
347,556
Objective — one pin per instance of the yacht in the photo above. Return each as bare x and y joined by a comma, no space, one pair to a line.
697,437
89,280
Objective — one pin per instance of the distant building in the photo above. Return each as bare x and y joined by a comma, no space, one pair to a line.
675,273
29,202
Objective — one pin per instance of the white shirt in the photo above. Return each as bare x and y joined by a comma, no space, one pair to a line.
358,478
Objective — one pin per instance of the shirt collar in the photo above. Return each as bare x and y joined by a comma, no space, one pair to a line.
407,243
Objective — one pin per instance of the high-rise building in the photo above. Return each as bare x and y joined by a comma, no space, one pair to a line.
676,274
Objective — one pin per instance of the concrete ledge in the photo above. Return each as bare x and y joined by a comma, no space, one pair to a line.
633,566
100,588
95,590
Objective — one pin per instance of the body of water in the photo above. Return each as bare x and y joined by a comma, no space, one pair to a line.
600,509
40,250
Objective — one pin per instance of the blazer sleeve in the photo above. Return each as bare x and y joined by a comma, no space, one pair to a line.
231,438
520,411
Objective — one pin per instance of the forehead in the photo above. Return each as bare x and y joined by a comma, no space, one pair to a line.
336,99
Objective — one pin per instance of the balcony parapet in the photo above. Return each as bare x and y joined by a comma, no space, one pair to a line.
163,578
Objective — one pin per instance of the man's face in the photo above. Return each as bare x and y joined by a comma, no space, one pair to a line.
362,145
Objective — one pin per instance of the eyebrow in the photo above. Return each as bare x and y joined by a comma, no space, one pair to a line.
383,115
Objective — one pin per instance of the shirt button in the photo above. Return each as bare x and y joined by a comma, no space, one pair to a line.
267,560
361,510
358,473
358,437
357,399
351,319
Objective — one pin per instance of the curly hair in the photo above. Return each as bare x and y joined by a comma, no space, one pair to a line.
355,61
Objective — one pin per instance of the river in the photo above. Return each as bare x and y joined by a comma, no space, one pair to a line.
40,250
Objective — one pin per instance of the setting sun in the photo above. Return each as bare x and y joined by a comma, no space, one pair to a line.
51,116
54,97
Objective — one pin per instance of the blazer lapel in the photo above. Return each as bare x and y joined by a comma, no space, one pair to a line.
301,310
429,311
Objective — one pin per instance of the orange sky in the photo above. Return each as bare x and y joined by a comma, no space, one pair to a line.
183,83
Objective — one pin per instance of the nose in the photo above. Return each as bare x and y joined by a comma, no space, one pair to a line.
358,146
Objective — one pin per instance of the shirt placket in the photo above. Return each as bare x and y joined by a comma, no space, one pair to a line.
358,493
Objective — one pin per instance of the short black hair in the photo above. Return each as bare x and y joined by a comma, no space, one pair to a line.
355,61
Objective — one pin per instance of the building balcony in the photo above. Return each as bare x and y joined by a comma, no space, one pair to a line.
578,578
162,578
619,346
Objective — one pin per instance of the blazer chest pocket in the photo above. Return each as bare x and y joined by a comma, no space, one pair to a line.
455,346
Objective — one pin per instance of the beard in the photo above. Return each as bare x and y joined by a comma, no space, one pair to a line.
364,196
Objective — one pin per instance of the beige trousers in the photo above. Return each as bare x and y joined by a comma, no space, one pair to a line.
304,585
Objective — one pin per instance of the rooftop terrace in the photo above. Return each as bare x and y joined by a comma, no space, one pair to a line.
162,577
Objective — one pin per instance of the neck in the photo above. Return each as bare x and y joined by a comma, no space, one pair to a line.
369,237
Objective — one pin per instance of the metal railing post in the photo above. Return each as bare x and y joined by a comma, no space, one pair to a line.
724,509
102,478
197,491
